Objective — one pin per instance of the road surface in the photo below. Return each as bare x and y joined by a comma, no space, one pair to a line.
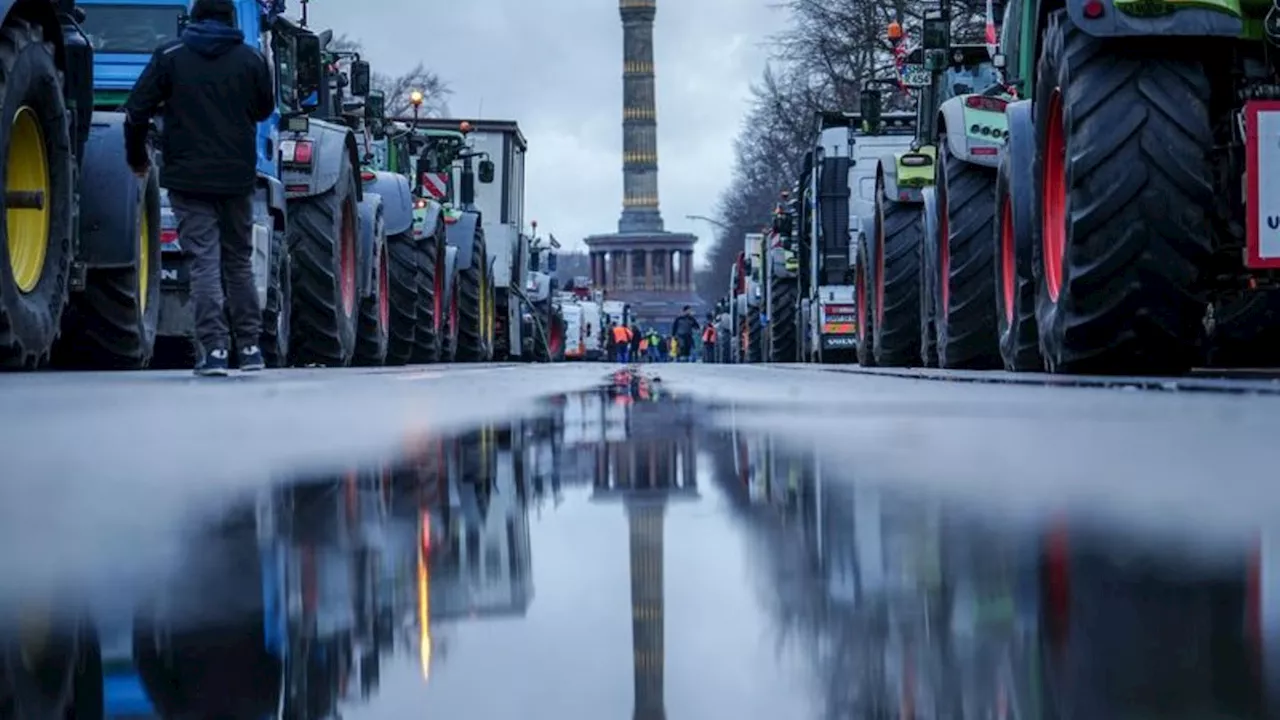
750,542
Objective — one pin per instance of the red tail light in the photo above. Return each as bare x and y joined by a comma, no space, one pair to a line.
986,151
367,176
296,152
451,219
419,204
982,102
168,237
1057,583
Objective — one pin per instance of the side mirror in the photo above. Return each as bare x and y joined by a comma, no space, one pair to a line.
552,263
309,71
936,32
375,105
871,105
485,171
361,78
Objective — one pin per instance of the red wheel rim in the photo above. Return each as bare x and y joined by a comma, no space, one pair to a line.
437,293
557,339
944,253
347,259
1054,229
384,291
860,297
1057,579
1008,278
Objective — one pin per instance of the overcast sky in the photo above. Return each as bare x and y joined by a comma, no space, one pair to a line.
555,66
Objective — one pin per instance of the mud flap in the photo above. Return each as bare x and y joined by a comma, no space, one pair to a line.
1262,123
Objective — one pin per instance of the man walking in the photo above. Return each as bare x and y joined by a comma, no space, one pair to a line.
210,91
682,330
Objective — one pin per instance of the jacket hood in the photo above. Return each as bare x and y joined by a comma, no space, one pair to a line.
212,38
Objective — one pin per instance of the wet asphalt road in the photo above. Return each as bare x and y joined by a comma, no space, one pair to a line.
717,541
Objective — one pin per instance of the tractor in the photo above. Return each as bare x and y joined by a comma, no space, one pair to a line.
415,242
927,292
1138,222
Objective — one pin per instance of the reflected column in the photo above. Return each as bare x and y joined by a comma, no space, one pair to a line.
645,519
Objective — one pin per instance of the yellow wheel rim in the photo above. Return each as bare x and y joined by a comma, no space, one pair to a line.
144,250
27,171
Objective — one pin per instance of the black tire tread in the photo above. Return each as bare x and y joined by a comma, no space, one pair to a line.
428,344
755,335
966,328
864,278
897,333
782,320
1019,340
473,346
18,349
402,279
1141,201
321,334
275,347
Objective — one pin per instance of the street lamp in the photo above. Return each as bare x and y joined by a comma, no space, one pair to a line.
706,219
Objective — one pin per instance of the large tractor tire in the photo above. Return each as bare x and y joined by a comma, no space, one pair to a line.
111,324
475,306
36,144
899,231
1014,237
932,229
785,292
403,289
433,305
277,315
450,308
755,335
965,290
323,233
1127,196
373,333
863,278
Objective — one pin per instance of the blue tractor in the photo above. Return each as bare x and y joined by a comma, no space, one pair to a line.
79,281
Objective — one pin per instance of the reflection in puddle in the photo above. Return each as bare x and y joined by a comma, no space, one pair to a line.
363,594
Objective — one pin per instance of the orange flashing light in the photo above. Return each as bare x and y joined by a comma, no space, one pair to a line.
894,31
465,127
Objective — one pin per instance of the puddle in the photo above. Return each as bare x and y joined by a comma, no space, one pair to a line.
627,552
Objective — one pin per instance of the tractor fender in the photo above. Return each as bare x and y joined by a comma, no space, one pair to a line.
334,145
956,119
461,234
274,191
1225,19
109,198
889,171
450,271
425,220
397,200
372,238
1022,131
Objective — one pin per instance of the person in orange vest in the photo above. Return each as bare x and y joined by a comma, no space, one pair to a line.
709,340
622,343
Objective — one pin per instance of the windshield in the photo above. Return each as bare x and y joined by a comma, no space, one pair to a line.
971,79
130,28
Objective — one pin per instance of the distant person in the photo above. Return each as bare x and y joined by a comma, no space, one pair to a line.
709,340
211,91
635,341
683,329
610,350
655,345
622,343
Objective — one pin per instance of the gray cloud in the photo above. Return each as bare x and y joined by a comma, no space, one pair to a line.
555,66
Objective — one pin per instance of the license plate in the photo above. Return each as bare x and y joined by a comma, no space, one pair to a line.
1262,118
840,341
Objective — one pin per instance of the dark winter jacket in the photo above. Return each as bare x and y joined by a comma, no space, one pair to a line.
684,326
210,90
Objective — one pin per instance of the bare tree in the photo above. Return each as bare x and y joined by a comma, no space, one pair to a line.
397,88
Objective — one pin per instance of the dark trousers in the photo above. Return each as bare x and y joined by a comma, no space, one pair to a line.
708,352
216,232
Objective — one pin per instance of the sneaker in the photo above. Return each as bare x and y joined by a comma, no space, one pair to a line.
214,363
251,359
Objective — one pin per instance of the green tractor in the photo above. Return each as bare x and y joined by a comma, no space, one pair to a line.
416,247
929,259
1140,205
